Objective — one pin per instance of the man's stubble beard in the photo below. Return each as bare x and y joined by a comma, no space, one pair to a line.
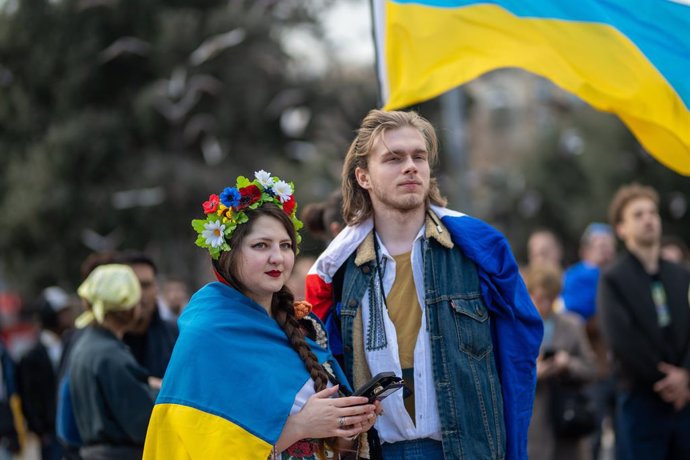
647,242
403,205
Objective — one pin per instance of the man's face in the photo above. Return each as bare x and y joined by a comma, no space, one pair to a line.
149,289
640,225
65,319
601,249
543,249
175,295
398,173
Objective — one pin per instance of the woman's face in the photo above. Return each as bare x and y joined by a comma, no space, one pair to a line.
265,260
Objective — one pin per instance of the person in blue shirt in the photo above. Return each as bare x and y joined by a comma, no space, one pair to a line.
597,249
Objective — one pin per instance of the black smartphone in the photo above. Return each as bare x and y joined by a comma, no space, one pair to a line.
548,354
380,386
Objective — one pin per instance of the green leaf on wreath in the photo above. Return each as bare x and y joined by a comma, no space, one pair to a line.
242,182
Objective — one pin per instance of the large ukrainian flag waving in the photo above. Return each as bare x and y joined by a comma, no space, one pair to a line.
629,58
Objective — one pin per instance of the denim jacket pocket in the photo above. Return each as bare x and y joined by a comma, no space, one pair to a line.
472,326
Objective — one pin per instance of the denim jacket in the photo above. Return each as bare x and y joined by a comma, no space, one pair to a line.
466,380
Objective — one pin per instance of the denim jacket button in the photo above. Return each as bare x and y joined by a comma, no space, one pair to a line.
352,303
366,269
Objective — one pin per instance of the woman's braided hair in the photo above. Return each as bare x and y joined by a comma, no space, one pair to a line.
283,313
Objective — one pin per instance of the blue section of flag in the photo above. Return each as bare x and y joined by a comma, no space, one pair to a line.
234,361
518,328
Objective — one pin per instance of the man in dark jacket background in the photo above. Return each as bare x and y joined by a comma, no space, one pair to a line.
645,317
37,371
151,340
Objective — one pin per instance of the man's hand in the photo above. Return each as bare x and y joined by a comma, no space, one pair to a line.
562,361
674,388
550,367
545,368
155,383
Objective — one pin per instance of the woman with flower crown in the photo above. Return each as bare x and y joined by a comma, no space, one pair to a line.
251,375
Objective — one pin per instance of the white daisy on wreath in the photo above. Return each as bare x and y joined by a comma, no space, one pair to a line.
213,233
282,190
264,178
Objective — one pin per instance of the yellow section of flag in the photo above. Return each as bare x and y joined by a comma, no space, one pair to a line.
429,50
178,432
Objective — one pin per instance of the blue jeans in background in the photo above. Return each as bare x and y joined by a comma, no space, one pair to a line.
650,429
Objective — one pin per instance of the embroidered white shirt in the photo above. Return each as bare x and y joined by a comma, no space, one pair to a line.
395,424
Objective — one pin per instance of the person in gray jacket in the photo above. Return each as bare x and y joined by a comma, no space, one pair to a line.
111,394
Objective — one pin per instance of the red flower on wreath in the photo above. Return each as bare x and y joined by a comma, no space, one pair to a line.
289,205
248,195
212,204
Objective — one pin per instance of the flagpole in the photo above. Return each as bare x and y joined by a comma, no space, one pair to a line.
377,35
455,146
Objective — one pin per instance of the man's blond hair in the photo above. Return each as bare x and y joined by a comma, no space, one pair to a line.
357,205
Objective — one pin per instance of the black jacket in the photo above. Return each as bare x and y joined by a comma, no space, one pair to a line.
629,320
38,388
153,349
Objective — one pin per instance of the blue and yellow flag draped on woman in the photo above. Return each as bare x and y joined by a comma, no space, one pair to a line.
629,58
231,382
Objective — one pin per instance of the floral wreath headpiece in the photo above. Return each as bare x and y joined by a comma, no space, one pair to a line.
226,211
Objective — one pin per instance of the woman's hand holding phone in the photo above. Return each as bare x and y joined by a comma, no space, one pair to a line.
326,416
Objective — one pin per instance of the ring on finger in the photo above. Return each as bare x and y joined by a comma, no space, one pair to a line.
341,422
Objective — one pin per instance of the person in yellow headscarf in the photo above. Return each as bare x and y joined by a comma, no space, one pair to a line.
110,392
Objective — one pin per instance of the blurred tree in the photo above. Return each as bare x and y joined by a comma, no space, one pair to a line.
581,158
119,116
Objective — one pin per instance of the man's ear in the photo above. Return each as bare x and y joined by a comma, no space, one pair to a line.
620,231
362,177
335,228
